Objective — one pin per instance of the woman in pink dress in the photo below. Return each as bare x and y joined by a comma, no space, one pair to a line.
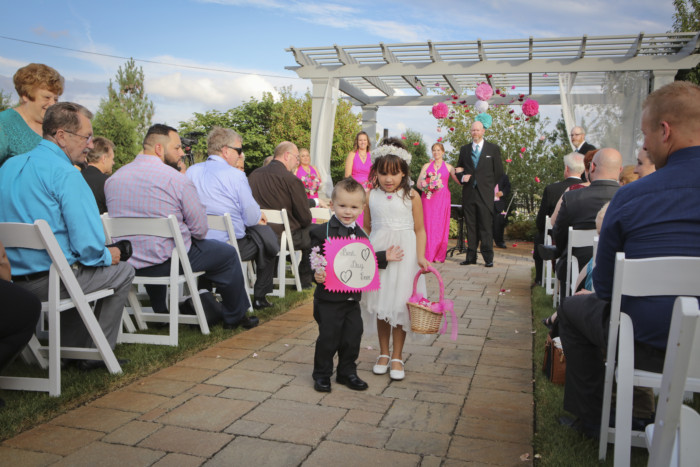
433,180
308,171
358,163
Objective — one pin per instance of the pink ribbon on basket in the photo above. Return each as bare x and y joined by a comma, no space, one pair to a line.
444,307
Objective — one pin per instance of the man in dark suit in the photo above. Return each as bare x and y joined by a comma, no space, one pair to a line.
275,187
573,168
579,208
100,161
479,168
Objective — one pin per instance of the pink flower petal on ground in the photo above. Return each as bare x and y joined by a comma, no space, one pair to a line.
369,347
503,290
437,85
419,87
515,245
455,96
255,355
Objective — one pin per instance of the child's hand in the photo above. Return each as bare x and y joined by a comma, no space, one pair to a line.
394,253
424,264
320,277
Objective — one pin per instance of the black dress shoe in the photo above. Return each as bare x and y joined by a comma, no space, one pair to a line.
89,365
489,265
547,252
587,429
352,381
322,384
501,245
260,303
248,322
467,262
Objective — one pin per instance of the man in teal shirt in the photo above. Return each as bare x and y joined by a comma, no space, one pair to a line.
43,184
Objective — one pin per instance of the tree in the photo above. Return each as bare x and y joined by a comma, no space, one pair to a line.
131,96
265,123
687,19
124,117
112,122
530,154
5,100
415,145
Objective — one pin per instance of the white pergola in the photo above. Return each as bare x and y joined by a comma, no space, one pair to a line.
372,76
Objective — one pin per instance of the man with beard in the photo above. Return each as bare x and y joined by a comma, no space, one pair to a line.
149,187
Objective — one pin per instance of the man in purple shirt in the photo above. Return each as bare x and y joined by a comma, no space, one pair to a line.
223,188
151,186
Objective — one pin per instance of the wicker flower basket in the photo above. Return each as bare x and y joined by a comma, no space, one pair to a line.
426,315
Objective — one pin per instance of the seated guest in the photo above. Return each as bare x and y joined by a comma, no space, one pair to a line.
39,87
644,165
580,207
274,186
100,160
43,184
628,175
224,189
18,315
149,187
657,215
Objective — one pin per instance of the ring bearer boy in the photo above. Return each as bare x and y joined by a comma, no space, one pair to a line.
338,313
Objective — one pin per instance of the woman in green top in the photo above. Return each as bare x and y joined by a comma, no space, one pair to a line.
39,87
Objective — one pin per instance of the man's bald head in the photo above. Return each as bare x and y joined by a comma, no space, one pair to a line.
606,165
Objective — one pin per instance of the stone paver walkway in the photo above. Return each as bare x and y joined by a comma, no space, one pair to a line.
249,400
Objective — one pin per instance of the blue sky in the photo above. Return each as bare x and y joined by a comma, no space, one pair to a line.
248,39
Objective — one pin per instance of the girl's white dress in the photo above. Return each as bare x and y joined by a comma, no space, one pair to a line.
392,224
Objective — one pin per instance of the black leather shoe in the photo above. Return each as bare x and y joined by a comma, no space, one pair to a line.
489,265
547,252
89,365
249,322
322,384
467,262
587,429
260,303
352,381
501,245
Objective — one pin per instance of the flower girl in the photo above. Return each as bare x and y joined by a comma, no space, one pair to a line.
393,216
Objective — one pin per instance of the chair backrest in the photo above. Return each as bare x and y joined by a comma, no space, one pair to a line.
577,239
280,217
682,361
38,236
224,223
321,213
166,227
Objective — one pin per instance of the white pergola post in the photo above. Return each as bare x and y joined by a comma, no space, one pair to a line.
369,123
661,78
324,101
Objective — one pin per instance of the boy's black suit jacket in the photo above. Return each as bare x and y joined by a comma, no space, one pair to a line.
318,238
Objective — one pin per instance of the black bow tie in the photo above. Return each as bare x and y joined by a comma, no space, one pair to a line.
349,231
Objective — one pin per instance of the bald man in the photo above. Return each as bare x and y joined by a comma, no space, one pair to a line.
580,207
658,215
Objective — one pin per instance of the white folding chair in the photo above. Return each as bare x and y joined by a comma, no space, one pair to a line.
224,223
673,437
548,281
166,227
286,248
671,275
577,239
321,214
38,236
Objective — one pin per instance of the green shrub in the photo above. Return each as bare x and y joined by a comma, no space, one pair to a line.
521,230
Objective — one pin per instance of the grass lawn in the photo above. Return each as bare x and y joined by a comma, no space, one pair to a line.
25,409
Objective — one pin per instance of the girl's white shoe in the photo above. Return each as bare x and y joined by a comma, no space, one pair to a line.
397,375
381,369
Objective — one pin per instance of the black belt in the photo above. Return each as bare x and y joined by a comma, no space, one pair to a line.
30,277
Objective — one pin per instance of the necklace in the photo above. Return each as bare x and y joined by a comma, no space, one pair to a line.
388,195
